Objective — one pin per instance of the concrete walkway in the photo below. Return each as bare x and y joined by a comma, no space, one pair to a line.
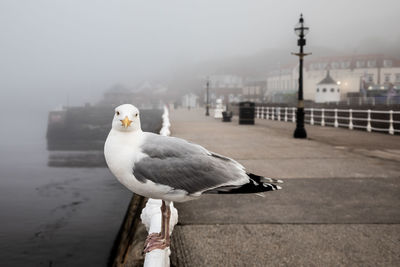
340,205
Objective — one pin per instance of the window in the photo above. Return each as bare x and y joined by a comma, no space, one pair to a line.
332,90
360,64
335,65
387,63
387,78
324,90
345,64
371,63
370,78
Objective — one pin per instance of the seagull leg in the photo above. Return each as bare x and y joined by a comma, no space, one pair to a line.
160,240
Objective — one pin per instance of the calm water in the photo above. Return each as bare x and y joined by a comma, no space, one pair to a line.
53,216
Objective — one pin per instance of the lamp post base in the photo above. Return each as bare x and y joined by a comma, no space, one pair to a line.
300,131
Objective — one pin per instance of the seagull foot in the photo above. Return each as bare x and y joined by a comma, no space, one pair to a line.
155,243
152,236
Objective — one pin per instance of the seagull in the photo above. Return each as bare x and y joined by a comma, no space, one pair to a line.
171,169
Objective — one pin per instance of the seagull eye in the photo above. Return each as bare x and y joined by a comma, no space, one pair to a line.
117,112
136,115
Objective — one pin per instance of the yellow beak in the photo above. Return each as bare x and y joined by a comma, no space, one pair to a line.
126,122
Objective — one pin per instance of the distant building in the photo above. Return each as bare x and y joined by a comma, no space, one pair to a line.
327,90
353,73
253,90
190,101
228,88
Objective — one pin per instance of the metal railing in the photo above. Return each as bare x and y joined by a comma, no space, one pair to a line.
370,120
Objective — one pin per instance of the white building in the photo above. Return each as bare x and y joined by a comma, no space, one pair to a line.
190,101
327,90
353,73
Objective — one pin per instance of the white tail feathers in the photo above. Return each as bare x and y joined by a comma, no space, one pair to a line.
271,180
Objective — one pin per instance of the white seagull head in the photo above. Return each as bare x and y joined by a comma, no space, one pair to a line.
126,118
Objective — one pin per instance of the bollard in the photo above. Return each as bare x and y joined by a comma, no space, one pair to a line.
263,112
294,115
391,128
350,119
369,128
267,113
336,124
312,116
286,114
323,117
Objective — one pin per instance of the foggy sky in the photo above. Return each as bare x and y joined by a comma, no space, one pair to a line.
59,49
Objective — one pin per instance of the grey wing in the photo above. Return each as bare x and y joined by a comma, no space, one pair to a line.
182,165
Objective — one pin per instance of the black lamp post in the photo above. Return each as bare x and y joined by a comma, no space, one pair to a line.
207,98
301,30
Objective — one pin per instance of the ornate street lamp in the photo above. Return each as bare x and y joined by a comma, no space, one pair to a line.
207,98
301,30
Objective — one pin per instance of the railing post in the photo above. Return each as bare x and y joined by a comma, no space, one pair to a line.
312,116
257,113
285,113
391,128
293,114
336,124
350,119
267,115
279,113
323,117
369,128
272,113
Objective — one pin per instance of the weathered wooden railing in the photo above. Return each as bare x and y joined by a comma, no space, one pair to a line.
370,120
151,215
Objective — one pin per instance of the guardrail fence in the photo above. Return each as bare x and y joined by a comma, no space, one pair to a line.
371,120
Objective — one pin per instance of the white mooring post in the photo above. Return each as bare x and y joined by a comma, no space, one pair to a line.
294,115
312,116
267,113
350,119
262,112
151,218
272,113
323,117
151,215
391,128
336,124
279,113
369,128
285,113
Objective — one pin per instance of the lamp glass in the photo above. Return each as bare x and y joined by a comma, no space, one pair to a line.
300,27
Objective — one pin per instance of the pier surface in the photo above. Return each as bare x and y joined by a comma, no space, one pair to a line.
340,203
